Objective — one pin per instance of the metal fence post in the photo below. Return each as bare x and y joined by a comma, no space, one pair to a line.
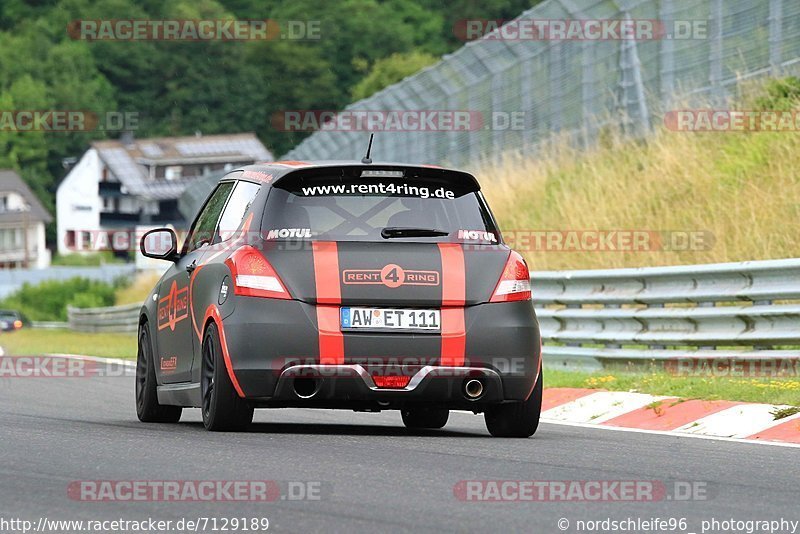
587,91
775,35
715,50
556,72
666,68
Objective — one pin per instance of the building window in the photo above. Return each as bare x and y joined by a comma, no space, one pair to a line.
108,204
11,239
70,238
86,241
173,172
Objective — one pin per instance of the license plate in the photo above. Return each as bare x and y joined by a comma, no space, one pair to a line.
390,319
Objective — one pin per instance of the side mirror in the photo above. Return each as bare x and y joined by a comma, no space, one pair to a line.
160,244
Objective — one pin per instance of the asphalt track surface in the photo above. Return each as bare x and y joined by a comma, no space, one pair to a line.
376,476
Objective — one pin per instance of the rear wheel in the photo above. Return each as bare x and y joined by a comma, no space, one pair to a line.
517,419
223,408
147,407
425,417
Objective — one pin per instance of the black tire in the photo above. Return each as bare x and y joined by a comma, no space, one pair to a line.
425,417
147,407
223,409
517,419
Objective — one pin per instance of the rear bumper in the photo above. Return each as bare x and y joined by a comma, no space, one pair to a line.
273,342
326,385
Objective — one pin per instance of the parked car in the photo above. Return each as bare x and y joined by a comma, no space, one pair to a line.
11,320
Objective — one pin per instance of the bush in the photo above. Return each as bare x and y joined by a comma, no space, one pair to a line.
782,94
92,259
48,300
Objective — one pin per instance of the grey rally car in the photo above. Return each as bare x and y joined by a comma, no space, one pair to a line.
362,286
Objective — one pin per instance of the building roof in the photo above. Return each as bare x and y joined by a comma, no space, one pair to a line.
128,160
10,181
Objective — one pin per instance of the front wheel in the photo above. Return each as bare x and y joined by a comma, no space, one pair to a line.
147,407
425,417
223,408
516,419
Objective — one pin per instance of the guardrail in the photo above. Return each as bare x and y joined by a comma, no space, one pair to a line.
111,319
49,325
710,311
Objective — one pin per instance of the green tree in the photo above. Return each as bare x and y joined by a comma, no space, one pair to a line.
391,70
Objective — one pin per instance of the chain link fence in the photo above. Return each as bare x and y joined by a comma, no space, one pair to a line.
576,87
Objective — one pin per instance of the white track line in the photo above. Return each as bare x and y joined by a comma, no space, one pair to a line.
600,407
677,435
737,421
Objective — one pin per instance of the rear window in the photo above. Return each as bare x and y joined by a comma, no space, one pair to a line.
359,209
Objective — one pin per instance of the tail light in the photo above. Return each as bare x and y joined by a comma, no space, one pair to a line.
253,276
392,381
515,282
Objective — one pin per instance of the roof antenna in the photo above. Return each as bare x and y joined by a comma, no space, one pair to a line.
366,159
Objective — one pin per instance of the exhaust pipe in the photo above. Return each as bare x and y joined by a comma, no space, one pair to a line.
305,388
473,389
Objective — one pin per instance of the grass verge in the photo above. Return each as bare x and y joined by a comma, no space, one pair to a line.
732,192
762,390
35,342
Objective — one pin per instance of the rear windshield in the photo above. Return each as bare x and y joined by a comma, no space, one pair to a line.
360,209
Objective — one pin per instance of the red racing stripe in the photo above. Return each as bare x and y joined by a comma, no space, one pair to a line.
454,289
329,296
213,312
326,272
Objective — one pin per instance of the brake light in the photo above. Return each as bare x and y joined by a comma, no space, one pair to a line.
515,282
253,276
392,381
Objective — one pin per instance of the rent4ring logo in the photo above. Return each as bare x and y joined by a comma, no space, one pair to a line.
391,276
173,308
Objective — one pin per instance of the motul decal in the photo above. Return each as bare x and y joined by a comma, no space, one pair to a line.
391,275
476,235
174,307
169,364
283,233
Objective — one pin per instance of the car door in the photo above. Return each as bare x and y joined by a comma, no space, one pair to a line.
206,286
174,333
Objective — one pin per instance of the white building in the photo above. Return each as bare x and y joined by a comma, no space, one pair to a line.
22,222
120,184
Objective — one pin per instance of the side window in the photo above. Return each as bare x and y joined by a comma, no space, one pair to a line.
237,206
203,229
